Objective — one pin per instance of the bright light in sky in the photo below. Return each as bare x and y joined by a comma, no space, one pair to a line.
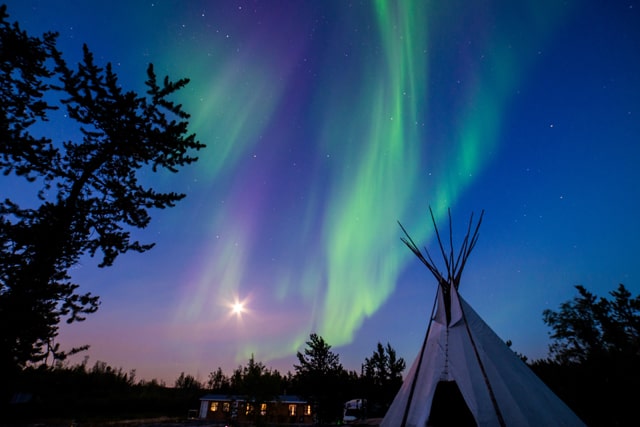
237,308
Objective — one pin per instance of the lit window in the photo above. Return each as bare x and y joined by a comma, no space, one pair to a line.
226,407
263,409
214,406
248,409
292,410
307,409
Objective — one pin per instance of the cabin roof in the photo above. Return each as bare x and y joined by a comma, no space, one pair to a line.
283,398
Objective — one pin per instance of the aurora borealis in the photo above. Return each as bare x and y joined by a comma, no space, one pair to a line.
326,123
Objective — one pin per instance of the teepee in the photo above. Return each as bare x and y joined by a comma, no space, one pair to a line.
465,374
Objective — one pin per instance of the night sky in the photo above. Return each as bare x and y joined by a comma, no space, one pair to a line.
326,123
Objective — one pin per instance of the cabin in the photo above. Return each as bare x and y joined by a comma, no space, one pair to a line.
231,409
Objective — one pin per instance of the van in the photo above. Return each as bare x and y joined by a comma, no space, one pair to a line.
354,410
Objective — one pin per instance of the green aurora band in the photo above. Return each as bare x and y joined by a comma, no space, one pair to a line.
374,156
360,225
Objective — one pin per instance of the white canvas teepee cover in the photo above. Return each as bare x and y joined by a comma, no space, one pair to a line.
498,388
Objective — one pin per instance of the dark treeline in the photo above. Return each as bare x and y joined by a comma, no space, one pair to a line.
77,394
98,393
594,356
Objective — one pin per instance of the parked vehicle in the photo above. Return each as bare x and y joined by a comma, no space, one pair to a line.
354,410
